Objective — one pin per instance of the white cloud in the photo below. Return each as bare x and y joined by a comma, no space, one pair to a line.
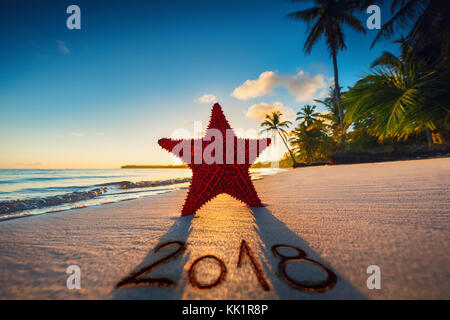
206,98
62,47
258,111
302,85
256,88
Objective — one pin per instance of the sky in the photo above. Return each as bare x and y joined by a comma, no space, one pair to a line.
137,71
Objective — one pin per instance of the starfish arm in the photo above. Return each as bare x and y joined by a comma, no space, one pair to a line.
186,150
218,120
205,185
168,144
250,149
242,189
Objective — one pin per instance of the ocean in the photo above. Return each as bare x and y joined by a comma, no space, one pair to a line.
38,191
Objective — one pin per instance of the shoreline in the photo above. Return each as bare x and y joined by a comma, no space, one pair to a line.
100,194
391,214
183,185
128,184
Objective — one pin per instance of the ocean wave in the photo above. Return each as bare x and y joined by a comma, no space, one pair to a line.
44,179
101,193
28,204
14,206
147,184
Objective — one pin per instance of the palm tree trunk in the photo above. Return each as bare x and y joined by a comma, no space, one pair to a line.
429,138
337,90
295,164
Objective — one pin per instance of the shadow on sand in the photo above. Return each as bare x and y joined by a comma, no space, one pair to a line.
272,231
179,231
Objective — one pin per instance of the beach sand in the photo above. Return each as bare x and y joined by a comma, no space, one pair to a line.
394,215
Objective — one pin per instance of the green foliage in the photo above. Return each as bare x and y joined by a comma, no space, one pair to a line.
310,138
285,162
273,124
307,115
328,18
428,29
395,108
312,144
401,97
331,116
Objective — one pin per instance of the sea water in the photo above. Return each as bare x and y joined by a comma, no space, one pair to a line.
31,192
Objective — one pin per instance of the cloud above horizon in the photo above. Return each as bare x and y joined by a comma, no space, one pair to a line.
206,98
301,85
258,111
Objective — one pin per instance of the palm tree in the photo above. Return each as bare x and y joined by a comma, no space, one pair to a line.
274,124
312,142
332,116
429,30
403,97
328,17
307,115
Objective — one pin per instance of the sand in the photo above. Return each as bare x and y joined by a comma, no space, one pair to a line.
347,217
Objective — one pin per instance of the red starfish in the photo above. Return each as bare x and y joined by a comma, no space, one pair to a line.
227,173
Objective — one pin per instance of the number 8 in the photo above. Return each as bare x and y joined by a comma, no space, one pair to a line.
323,286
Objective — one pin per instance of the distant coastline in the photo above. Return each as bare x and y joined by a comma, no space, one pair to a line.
257,165
342,157
154,166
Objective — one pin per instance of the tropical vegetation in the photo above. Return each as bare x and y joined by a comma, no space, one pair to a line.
402,103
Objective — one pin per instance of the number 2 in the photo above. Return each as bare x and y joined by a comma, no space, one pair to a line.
135,278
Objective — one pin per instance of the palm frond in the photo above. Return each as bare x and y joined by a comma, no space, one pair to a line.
400,19
353,22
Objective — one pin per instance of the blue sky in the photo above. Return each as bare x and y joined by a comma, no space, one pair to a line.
100,97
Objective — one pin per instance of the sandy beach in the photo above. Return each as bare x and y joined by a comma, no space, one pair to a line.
394,215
